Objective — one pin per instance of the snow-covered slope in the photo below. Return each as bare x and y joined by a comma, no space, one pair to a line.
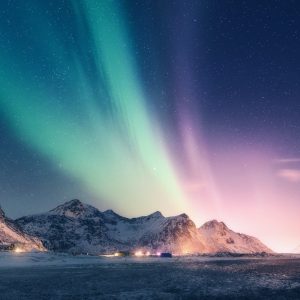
219,238
10,233
71,227
80,228
155,232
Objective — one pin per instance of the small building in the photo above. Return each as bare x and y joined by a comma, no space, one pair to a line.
166,254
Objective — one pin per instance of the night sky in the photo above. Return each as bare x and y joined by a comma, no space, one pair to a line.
138,106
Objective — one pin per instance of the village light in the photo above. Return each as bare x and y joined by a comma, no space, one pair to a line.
18,250
138,253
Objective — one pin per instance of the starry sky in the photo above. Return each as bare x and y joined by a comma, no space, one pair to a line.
138,106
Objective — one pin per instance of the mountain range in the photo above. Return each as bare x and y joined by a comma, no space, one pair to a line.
76,227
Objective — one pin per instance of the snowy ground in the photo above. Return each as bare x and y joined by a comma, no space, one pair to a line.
49,276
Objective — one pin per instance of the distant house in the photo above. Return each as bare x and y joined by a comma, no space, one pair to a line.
166,254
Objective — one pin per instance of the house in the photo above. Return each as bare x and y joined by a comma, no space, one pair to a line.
166,254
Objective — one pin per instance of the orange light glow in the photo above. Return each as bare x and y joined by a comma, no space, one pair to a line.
138,253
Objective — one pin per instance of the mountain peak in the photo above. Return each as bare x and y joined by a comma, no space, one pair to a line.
73,202
73,208
109,212
185,216
214,224
156,214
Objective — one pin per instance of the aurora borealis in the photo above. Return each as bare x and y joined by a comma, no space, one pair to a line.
138,106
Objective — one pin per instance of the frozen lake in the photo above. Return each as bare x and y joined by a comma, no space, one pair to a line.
49,276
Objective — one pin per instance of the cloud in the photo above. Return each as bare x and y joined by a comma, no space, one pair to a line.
291,175
287,160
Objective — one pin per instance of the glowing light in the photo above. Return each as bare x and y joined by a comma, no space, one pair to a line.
139,253
106,255
18,250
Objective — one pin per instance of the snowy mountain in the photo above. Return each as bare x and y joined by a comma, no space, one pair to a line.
11,234
71,227
77,227
219,238
80,228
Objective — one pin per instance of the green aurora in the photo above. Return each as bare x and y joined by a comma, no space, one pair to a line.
116,151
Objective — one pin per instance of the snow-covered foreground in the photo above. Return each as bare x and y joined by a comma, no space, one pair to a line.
53,276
